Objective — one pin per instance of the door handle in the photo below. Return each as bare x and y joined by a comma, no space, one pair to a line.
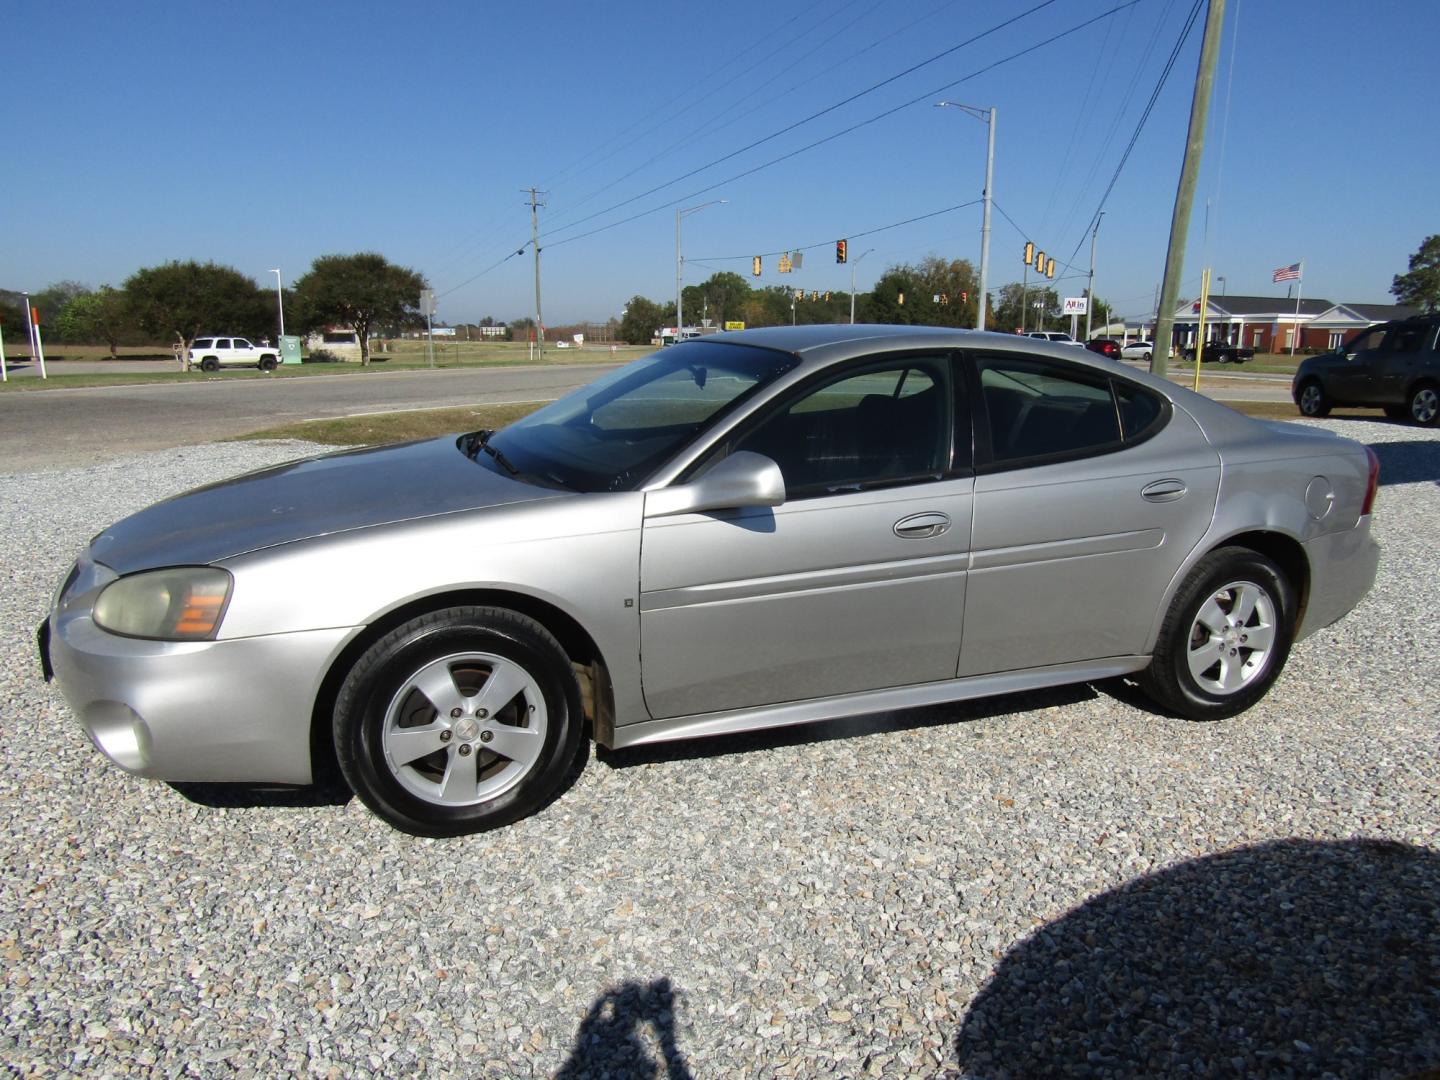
921,526
1163,491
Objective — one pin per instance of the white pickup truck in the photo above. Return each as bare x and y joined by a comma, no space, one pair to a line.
213,353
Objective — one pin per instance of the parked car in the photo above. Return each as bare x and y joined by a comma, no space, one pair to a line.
762,528
1053,335
1105,347
213,353
1221,352
1394,365
1137,350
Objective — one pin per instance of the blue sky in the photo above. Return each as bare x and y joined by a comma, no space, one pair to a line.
266,134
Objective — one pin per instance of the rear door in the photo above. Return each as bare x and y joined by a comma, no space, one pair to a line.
1400,362
1090,491
856,582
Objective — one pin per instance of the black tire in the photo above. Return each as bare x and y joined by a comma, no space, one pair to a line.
210,364
1311,399
267,363
1397,412
1147,357
372,714
1423,406
1222,577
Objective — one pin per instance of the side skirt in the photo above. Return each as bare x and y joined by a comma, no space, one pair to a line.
871,701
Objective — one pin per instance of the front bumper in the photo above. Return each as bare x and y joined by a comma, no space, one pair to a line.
230,710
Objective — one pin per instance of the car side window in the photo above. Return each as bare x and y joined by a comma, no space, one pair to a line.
1407,339
1367,341
1039,409
880,425
201,343
241,343
222,343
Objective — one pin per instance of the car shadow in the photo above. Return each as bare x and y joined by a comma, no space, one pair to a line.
1293,958
328,792
1412,462
611,1041
846,727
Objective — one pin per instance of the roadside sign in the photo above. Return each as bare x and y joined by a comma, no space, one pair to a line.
729,325
289,349
1076,305
427,302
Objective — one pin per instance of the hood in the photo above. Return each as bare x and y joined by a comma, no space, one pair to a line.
315,497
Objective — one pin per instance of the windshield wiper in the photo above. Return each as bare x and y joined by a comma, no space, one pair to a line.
480,440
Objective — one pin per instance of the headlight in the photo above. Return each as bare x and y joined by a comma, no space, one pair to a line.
182,604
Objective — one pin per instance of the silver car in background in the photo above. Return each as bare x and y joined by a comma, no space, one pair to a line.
757,529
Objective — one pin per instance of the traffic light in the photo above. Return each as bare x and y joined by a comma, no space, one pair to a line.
1029,253
755,266
841,251
1050,268
1040,261
902,300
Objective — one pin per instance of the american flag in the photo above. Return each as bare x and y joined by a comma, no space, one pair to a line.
1287,273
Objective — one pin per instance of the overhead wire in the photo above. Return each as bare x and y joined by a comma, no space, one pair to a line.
846,131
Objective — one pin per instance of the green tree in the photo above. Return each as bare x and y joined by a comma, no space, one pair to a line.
722,295
52,299
95,316
186,298
1421,286
643,320
359,291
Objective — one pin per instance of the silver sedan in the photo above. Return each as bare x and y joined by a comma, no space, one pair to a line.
756,529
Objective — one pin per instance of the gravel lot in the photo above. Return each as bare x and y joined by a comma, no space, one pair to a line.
1060,883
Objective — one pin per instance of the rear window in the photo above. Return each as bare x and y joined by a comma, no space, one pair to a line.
201,343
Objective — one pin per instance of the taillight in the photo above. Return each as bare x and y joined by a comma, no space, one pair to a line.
1373,484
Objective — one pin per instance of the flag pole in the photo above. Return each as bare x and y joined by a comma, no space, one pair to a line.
1299,289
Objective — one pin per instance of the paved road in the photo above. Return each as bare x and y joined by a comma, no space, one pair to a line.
65,428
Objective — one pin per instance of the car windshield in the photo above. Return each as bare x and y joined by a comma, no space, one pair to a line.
613,433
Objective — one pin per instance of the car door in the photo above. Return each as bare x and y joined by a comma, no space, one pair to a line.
1399,362
1090,491
856,582
1357,379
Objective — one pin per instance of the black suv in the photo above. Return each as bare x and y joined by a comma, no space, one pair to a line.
1395,365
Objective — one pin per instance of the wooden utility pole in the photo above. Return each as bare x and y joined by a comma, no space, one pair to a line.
1185,193
535,202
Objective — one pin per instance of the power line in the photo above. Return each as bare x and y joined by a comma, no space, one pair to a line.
848,236
846,131
1144,116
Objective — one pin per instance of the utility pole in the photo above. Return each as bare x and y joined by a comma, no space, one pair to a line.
535,202
985,226
1090,288
854,263
1185,192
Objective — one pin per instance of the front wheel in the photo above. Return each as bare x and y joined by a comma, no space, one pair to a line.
1425,405
267,363
1313,400
459,721
1226,636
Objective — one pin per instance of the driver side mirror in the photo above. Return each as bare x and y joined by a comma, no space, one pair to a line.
742,479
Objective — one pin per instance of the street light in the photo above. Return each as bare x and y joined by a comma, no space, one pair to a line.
854,263
680,261
987,115
279,300
1222,284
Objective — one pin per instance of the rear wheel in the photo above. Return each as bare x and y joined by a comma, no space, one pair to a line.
1312,399
1225,638
459,721
1424,405
210,363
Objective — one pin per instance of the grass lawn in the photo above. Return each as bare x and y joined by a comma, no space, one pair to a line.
402,356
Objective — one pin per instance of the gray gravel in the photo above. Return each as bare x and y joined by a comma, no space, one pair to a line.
1060,883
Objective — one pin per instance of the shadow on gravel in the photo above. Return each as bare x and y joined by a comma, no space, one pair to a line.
611,1043
1416,462
329,793
845,727
1291,958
